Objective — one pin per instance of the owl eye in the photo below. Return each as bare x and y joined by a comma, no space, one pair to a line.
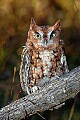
53,34
37,35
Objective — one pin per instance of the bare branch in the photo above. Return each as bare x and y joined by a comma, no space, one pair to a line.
55,92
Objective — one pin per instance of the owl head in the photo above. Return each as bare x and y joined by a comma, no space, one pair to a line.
44,36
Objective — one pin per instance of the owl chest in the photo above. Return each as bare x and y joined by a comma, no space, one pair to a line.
42,64
46,57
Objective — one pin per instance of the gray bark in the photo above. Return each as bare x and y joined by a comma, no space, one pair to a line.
53,93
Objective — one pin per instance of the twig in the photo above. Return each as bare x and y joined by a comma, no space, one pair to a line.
75,6
72,109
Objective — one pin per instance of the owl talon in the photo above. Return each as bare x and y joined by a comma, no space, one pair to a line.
35,89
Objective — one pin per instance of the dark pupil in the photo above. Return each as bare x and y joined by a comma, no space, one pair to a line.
53,32
37,35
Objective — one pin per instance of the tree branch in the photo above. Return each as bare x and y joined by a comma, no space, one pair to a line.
53,92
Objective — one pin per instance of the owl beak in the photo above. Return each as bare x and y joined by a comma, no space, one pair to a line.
45,41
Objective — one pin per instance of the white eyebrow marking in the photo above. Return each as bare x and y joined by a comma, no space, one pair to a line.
49,33
40,33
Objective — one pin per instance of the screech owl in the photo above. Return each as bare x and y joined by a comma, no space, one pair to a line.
43,55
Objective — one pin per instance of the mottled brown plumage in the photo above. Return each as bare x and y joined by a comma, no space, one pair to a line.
42,56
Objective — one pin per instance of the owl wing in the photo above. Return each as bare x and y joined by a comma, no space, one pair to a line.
64,63
25,70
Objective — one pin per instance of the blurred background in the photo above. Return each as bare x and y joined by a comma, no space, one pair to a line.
15,19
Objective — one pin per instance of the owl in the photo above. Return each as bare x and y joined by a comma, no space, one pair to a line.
42,56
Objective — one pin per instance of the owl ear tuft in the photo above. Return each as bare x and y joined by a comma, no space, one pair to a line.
58,24
32,24
33,21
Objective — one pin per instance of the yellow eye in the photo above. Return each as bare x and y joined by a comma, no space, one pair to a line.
53,34
37,35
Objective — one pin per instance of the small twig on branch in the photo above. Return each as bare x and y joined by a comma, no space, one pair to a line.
53,93
72,109
75,6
